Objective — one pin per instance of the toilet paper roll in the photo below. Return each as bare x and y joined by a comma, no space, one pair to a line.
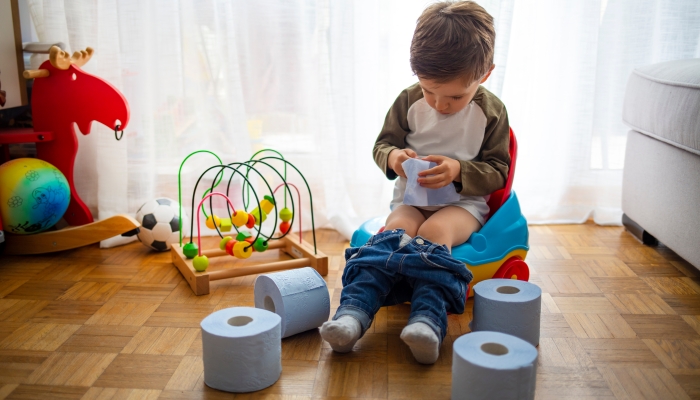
493,365
509,306
299,296
242,349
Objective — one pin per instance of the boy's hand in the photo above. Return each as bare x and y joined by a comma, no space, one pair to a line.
397,157
445,172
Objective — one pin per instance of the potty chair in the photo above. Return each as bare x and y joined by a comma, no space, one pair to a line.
498,249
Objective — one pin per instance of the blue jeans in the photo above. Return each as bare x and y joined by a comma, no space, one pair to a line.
393,268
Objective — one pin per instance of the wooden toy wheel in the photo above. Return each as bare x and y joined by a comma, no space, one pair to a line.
513,268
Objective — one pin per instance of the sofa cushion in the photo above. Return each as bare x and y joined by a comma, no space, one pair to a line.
663,101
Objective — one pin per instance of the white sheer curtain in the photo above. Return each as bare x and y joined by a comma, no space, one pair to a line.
314,79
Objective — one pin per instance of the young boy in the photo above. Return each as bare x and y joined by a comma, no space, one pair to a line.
449,119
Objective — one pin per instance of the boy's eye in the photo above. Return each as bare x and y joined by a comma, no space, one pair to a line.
457,97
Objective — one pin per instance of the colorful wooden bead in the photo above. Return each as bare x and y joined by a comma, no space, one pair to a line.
284,227
256,214
242,249
229,247
285,214
226,225
239,218
267,204
260,245
190,250
211,220
251,222
200,263
243,235
222,243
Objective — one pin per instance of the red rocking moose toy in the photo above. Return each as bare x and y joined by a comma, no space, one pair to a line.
64,94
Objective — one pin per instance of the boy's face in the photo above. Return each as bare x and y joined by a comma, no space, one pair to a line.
450,97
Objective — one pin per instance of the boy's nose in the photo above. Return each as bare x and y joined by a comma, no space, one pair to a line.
441,105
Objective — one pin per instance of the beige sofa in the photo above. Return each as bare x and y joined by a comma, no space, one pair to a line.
661,178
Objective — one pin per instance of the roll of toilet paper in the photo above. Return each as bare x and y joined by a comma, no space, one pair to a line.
242,349
299,296
493,365
509,306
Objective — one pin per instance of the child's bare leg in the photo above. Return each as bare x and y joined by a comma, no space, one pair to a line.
450,226
405,217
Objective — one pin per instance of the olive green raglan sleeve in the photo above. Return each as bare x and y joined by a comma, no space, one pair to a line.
394,132
489,170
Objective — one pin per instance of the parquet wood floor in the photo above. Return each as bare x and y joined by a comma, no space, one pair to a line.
619,320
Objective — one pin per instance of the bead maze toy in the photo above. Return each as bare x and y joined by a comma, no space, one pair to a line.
498,249
64,94
193,262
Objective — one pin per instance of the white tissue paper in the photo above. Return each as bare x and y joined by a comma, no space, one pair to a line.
509,306
242,349
416,195
493,365
299,296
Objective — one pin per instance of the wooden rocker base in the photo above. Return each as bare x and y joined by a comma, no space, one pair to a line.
70,237
302,254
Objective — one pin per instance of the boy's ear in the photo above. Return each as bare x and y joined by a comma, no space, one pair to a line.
488,73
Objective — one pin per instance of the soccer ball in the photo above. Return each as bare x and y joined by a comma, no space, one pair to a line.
160,225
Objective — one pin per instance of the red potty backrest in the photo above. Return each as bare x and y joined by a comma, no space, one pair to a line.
500,196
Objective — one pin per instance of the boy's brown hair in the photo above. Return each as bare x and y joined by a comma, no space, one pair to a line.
453,40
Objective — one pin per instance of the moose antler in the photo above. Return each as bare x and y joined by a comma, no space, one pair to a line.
61,60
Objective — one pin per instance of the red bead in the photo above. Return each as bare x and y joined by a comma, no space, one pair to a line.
229,247
251,221
284,227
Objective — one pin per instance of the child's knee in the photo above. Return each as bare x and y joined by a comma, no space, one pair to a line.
409,225
435,233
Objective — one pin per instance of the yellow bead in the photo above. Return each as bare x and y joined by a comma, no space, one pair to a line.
242,249
240,218
211,220
266,206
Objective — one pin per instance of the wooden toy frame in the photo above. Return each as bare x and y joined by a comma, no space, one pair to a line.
302,254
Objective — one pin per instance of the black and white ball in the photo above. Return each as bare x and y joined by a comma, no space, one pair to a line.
160,223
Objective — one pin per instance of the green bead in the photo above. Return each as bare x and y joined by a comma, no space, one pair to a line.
260,245
200,263
243,235
190,250
222,243
270,199
285,214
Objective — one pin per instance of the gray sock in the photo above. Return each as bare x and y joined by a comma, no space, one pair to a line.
424,343
341,334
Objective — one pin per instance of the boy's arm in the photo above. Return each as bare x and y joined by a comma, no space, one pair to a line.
393,133
489,170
